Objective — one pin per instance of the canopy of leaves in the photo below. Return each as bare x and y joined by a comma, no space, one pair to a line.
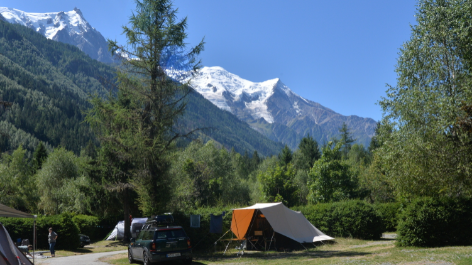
424,151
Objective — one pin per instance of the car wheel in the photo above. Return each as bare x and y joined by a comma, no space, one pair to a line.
146,259
188,261
130,257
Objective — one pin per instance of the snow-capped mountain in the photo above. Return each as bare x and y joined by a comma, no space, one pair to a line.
68,27
275,110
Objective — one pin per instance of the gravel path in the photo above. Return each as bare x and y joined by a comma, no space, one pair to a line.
86,259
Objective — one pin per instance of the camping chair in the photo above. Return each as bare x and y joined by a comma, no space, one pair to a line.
254,239
25,242
269,240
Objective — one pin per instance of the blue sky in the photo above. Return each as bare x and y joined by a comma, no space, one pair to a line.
337,53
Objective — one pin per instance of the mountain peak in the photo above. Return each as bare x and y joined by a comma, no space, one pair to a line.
287,115
64,26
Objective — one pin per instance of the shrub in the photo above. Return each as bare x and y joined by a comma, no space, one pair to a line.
352,218
87,225
67,230
436,222
389,213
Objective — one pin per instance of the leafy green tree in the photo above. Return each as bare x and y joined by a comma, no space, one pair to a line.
205,175
62,184
424,150
330,178
137,127
278,185
17,187
285,156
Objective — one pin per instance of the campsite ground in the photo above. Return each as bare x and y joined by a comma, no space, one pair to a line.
344,251
96,247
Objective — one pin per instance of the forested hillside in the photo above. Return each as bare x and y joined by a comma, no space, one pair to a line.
49,83
225,128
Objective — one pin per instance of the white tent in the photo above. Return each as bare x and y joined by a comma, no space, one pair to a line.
9,253
282,220
119,231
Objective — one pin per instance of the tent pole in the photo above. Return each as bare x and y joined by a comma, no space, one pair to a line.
34,236
273,233
304,247
228,243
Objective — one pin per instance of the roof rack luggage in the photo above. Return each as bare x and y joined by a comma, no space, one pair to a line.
161,220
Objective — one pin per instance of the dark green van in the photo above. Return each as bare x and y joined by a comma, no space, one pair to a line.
157,243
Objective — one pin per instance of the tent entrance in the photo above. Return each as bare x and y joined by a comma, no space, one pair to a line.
260,235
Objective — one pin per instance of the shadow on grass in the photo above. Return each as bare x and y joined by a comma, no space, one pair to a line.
82,250
116,244
89,248
283,255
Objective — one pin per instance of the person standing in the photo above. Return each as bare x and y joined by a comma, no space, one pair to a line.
52,241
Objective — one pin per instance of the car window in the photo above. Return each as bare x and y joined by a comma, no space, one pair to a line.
161,234
170,234
148,235
141,235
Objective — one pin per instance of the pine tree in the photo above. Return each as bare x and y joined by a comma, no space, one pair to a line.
137,125
39,156
346,140
285,156
310,152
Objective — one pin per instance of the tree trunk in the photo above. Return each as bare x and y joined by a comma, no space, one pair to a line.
127,232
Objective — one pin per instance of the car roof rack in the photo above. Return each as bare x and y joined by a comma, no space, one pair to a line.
161,220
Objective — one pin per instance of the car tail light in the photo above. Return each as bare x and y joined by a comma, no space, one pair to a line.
188,243
153,247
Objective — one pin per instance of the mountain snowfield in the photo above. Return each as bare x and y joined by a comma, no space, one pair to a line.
273,109
68,27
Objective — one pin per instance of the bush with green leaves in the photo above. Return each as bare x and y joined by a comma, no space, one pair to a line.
354,218
63,183
87,225
278,185
331,179
429,222
389,213
63,225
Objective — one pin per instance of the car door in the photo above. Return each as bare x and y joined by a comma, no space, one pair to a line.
146,241
137,246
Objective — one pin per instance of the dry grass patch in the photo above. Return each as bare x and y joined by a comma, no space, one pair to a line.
343,251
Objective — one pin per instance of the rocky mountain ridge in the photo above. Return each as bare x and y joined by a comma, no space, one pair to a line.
67,27
273,109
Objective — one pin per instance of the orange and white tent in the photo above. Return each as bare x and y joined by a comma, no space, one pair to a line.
284,221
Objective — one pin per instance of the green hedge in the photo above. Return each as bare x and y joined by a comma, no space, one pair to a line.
436,222
389,213
354,218
67,230
87,225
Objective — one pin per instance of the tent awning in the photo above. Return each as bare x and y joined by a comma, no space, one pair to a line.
6,211
283,220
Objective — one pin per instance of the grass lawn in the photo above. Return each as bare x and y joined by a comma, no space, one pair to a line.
343,251
96,247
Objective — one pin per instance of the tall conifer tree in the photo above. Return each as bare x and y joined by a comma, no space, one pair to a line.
137,125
